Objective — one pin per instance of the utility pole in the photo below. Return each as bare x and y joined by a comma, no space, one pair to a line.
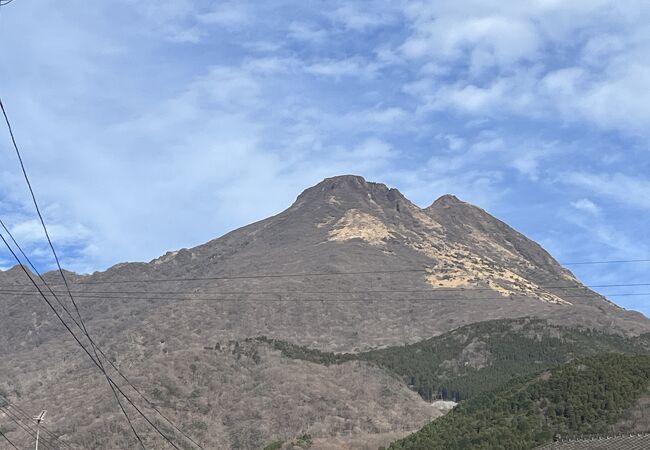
38,419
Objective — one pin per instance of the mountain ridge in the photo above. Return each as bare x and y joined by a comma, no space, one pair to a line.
389,273
347,224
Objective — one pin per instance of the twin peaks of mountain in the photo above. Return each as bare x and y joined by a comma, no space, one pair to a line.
359,224
349,266
425,270
353,264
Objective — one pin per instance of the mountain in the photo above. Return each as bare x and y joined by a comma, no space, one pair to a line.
346,224
350,266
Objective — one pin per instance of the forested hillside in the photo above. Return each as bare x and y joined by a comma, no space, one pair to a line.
479,357
586,396
351,266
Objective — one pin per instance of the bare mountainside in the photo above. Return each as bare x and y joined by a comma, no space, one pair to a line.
397,273
367,268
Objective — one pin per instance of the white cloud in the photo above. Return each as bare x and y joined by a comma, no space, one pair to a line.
531,158
620,99
486,40
470,98
31,232
349,67
527,165
378,120
125,129
170,20
227,14
364,17
626,189
385,116
487,143
307,32
586,205
579,61
372,149
454,142
272,65
601,48
615,241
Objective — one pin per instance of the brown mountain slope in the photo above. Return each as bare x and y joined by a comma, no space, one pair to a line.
472,267
471,226
345,224
395,273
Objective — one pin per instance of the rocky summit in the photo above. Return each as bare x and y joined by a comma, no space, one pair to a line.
351,265
368,268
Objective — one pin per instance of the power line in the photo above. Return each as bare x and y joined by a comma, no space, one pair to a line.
11,288
67,327
149,402
80,325
63,277
96,361
26,427
65,281
620,261
274,275
4,436
83,330
290,296
252,276
28,417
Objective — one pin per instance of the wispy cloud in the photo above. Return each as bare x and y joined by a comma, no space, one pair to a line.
360,18
586,205
349,67
628,190
130,112
307,32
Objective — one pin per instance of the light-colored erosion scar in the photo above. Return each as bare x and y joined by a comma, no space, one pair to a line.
332,200
328,220
356,224
459,267
473,273
165,258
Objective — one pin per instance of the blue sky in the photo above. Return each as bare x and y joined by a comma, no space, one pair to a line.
149,126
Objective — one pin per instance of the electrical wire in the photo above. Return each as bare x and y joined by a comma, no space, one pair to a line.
24,414
27,428
67,327
294,296
97,362
81,327
12,289
63,277
271,275
124,377
4,436
620,261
